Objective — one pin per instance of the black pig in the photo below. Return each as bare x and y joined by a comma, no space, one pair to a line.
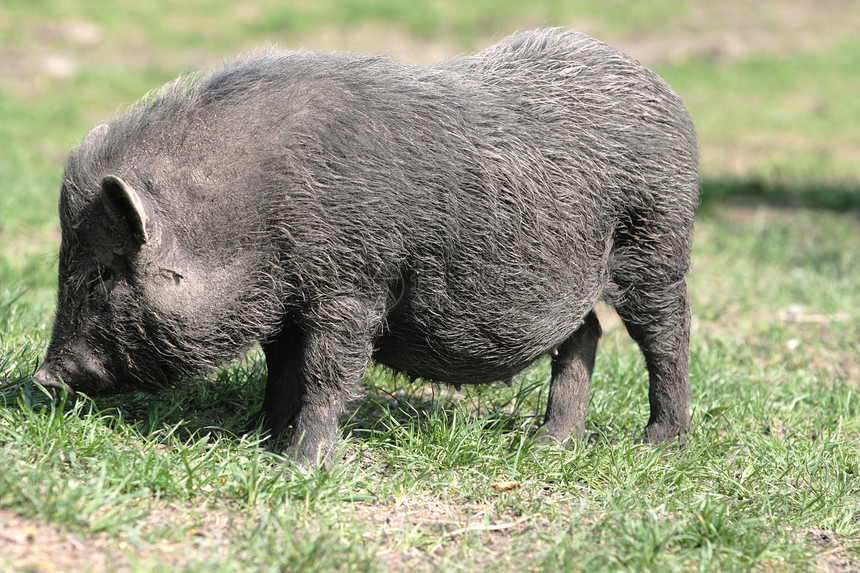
454,222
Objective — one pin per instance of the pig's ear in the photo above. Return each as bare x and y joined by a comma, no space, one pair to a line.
124,206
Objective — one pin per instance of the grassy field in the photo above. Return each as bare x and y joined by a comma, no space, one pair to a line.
436,479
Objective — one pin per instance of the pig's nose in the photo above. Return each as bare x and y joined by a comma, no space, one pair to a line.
46,377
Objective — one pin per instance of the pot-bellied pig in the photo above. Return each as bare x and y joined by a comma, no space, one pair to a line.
454,222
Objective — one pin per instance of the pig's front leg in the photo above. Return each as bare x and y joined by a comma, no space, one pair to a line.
317,372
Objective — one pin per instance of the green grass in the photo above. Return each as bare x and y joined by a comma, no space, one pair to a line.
770,457
768,478
789,115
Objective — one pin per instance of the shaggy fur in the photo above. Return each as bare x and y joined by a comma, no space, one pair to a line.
454,222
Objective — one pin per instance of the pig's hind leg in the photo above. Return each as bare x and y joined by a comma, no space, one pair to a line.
572,367
666,346
657,316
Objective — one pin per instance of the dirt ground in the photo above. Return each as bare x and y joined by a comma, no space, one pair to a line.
27,545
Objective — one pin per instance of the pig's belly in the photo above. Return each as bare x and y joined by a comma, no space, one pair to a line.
473,324
469,355
417,360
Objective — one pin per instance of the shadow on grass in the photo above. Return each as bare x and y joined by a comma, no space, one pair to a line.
836,196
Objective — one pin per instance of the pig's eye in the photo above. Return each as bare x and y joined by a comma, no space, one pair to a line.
105,280
171,276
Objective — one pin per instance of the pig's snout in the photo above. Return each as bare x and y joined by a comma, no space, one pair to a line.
49,379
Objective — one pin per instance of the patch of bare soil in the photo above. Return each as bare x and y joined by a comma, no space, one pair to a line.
444,524
834,557
27,545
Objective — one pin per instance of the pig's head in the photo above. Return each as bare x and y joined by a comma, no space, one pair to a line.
103,339
136,307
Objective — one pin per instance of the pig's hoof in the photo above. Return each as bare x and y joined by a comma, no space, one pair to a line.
254,425
663,433
260,423
312,458
551,436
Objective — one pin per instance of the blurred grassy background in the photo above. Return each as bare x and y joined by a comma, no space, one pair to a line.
772,86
